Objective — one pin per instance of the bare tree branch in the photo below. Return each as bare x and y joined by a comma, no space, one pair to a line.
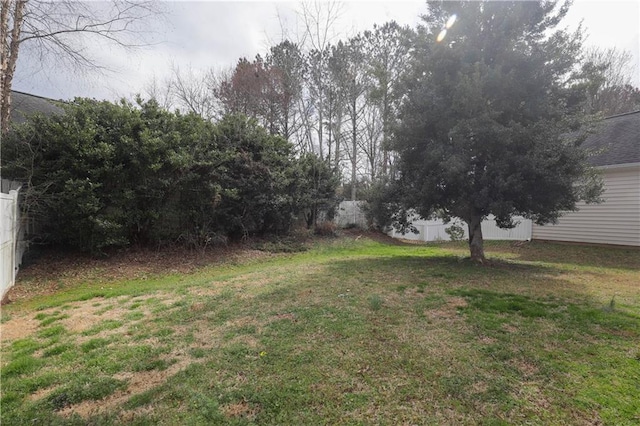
64,29
10,47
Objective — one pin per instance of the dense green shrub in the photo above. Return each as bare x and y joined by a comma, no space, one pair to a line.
383,208
315,186
106,174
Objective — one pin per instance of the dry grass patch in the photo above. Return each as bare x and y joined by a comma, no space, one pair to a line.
241,409
137,383
78,317
18,327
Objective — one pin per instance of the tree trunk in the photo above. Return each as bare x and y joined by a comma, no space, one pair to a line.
9,58
354,147
338,130
385,130
320,141
476,243
329,127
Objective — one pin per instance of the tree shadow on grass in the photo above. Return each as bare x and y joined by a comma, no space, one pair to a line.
620,258
450,272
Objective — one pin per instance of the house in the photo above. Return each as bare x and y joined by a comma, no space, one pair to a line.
24,104
616,153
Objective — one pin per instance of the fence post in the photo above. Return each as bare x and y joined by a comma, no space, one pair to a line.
14,230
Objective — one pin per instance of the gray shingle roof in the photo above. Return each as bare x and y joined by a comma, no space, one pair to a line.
24,104
616,140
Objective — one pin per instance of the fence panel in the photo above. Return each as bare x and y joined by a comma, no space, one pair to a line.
434,230
350,213
11,246
521,232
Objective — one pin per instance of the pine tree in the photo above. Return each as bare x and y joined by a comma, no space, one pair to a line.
486,117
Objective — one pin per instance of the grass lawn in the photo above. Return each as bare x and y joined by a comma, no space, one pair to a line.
351,331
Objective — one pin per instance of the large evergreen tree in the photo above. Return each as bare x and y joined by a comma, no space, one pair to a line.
489,120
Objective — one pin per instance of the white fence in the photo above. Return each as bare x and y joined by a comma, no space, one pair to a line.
350,213
11,244
434,230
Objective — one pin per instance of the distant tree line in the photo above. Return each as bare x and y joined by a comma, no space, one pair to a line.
106,175
341,98
338,101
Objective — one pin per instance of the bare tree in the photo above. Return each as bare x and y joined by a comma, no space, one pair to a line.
349,62
160,91
319,19
387,49
610,89
196,92
617,64
63,29
372,129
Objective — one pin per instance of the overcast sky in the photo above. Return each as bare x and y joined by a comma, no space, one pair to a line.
216,34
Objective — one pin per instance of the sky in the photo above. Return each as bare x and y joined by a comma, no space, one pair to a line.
215,34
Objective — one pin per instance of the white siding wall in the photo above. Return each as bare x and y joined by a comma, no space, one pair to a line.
616,221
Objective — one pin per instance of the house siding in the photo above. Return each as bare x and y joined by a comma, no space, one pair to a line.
615,221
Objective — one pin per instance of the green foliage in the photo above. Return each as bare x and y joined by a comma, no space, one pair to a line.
485,121
105,175
315,184
455,231
384,208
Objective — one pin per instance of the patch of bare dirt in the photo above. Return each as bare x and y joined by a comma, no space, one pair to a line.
41,393
18,327
54,270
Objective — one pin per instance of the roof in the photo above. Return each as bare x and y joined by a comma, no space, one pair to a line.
616,141
25,104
